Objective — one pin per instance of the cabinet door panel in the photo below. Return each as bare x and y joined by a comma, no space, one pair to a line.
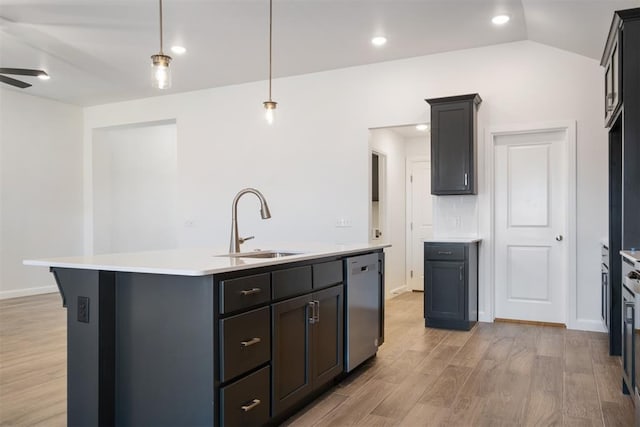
451,134
291,374
444,293
327,354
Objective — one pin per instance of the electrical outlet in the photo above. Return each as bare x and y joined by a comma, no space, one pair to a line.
83,309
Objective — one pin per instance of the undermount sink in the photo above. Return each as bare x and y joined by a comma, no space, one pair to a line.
262,254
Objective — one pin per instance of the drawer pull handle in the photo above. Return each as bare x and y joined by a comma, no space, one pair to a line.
253,404
444,252
251,342
251,291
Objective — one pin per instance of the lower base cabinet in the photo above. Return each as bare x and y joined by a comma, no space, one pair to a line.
307,350
451,285
246,402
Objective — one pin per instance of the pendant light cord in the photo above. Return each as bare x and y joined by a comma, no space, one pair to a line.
161,50
270,43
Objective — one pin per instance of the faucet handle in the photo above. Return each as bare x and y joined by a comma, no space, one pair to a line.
241,240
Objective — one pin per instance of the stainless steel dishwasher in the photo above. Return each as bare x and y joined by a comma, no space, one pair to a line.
363,314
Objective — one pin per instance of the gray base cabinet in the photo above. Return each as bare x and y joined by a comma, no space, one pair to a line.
451,285
241,348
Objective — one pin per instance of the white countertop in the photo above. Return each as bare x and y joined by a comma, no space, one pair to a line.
634,257
197,261
454,240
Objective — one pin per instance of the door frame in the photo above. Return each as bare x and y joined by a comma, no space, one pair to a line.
382,196
568,126
408,209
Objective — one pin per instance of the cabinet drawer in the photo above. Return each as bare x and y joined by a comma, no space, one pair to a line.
245,342
327,274
443,252
246,402
243,292
291,282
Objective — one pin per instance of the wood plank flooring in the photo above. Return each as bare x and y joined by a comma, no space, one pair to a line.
497,374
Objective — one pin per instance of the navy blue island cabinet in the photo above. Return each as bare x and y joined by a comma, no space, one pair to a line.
247,346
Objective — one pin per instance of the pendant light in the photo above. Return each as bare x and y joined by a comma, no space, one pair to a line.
160,72
270,105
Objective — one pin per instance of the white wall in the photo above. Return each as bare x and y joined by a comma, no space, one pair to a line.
419,146
392,145
313,164
135,188
40,188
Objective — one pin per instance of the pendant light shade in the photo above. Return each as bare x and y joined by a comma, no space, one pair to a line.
270,105
160,71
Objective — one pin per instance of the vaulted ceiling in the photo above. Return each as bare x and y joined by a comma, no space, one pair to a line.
97,51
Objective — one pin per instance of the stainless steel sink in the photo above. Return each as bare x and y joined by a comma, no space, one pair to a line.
262,254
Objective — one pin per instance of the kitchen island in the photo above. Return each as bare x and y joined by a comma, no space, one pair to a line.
188,337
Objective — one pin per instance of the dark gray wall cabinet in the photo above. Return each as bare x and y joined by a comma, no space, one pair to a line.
451,285
453,144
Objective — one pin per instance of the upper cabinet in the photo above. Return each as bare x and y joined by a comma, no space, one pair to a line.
612,71
453,144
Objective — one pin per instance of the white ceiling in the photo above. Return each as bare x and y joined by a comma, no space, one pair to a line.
97,51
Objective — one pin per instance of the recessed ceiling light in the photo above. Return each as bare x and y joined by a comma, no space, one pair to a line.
500,19
422,127
379,41
44,76
178,50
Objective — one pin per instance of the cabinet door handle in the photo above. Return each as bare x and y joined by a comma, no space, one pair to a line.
466,179
317,310
253,404
444,252
312,306
250,291
251,342
461,273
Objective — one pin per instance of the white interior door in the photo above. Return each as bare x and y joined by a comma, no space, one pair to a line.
530,189
420,219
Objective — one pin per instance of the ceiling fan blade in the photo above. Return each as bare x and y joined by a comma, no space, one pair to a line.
22,72
14,82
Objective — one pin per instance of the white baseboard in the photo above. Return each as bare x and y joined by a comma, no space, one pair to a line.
399,290
16,293
483,317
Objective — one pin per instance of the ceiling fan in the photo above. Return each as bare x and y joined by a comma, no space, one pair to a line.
20,72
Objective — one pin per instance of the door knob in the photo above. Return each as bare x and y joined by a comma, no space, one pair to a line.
559,237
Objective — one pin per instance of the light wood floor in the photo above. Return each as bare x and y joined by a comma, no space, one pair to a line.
496,374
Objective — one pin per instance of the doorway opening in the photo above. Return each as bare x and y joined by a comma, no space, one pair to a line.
134,188
400,202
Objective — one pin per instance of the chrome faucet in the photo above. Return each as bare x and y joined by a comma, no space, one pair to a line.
236,241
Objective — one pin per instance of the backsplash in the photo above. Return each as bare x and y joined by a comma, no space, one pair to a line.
455,216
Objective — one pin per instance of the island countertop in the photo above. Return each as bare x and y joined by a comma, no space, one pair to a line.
198,261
